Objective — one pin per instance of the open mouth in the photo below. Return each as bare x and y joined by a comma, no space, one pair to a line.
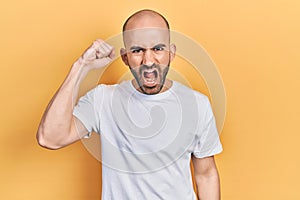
150,77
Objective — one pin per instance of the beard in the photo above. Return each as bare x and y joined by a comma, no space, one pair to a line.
150,79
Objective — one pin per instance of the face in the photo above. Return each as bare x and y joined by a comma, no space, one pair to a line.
148,54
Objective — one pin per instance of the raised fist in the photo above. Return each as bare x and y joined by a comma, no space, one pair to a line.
98,55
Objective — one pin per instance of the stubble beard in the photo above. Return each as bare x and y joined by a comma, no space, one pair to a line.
138,74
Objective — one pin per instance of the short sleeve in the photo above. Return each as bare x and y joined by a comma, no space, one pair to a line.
208,141
86,110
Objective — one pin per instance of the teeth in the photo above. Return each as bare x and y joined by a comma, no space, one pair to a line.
149,79
150,71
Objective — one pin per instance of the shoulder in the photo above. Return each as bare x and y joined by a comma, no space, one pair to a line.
188,92
124,84
105,88
108,90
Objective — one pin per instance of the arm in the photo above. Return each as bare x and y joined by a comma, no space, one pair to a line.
58,126
206,178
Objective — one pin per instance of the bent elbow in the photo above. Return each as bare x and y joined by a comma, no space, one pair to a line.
45,143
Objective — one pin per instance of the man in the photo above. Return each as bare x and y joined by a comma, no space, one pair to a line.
150,127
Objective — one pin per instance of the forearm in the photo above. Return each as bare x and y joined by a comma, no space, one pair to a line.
208,186
56,122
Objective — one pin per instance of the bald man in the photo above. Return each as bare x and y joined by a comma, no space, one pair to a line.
150,127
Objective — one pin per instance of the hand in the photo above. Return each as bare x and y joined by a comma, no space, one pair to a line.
98,55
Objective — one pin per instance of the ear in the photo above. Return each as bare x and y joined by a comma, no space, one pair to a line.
124,56
172,51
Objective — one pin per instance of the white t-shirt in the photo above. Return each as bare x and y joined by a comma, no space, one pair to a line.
147,140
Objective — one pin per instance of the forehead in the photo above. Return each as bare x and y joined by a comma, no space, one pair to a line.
146,37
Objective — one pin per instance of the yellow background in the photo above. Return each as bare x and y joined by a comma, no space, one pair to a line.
255,45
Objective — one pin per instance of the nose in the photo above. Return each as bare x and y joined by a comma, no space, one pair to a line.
148,57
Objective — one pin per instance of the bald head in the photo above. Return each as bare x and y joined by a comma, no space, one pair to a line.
145,19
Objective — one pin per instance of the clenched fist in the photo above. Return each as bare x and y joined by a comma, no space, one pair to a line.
98,55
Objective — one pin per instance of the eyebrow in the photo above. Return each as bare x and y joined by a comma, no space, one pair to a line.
138,47
159,45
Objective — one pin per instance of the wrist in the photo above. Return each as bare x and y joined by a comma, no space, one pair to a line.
79,67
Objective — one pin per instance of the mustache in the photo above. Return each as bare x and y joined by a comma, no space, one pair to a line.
147,67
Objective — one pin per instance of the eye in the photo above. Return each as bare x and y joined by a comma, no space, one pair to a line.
159,48
136,51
